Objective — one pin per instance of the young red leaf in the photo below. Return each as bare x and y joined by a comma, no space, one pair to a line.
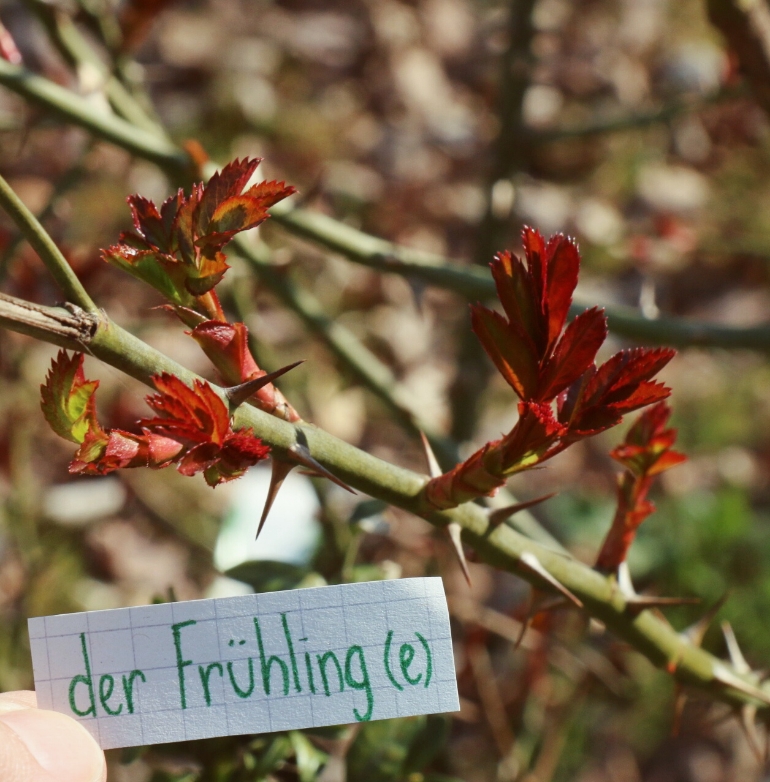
574,353
563,267
67,398
508,348
224,184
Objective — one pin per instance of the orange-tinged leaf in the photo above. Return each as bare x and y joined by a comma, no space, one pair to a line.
574,353
67,398
224,184
509,350
563,267
227,345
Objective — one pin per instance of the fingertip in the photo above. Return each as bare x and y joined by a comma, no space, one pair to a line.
58,744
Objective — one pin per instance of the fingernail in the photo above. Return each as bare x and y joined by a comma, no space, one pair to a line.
62,747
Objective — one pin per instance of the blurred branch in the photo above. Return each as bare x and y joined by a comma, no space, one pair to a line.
78,110
634,121
357,246
746,26
45,247
501,547
356,357
63,185
80,54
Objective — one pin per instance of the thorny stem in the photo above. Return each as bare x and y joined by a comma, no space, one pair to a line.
356,245
358,359
501,547
44,246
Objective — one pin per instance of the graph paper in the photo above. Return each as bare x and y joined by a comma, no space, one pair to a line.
252,664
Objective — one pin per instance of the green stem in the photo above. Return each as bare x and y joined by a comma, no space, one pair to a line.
356,357
44,246
76,49
501,547
78,110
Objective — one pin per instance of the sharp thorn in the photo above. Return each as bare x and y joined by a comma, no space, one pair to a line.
527,619
455,535
736,655
532,563
679,704
498,516
625,584
237,395
434,469
302,456
696,631
280,470
639,603
725,676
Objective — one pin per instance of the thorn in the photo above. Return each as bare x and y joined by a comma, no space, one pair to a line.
679,703
434,469
625,584
748,715
532,563
525,625
455,535
497,517
696,631
237,395
639,603
302,456
280,470
736,655
725,676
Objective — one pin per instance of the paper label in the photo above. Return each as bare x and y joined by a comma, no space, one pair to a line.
254,664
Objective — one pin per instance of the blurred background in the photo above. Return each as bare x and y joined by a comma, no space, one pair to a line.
444,126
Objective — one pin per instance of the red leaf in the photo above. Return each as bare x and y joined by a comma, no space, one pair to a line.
509,349
227,345
195,415
270,193
224,184
574,353
563,267
517,295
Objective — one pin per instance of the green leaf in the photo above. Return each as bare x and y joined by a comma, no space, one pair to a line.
309,758
67,398
268,575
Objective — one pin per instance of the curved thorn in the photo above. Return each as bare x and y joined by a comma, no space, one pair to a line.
696,631
498,516
455,535
532,563
679,703
237,395
280,470
434,469
301,455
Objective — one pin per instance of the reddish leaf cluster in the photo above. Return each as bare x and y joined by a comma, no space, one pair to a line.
564,395
192,428
645,453
178,249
